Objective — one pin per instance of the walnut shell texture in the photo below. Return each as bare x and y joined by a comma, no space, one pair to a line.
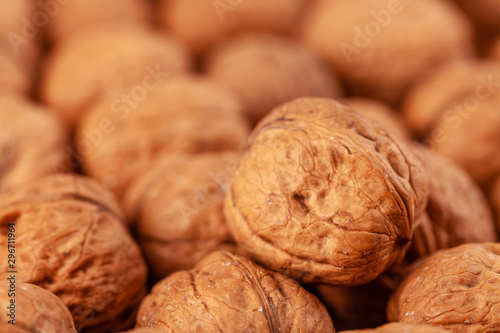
201,23
276,70
73,245
177,205
401,328
32,142
324,195
380,47
228,293
208,117
457,209
80,69
456,289
37,309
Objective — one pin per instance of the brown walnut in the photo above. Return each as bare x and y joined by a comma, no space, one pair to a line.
71,240
400,328
177,206
324,195
228,293
36,309
183,114
456,289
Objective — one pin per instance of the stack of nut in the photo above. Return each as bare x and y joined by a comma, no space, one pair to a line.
250,166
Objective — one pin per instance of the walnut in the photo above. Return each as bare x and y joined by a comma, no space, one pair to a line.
275,71
144,330
32,142
201,23
401,328
455,108
76,15
380,112
178,207
34,309
107,58
380,47
455,288
72,241
454,201
324,195
207,118
228,293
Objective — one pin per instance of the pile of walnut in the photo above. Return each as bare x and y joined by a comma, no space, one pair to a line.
250,166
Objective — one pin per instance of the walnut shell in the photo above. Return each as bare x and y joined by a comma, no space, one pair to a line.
177,205
76,15
456,108
36,309
380,47
456,289
144,330
401,328
228,293
324,195
276,70
207,117
80,69
201,23
32,143
74,244
457,209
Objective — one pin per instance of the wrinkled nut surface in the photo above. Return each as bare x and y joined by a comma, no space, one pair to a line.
201,23
462,101
144,330
454,288
228,293
324,195
74,244
99,60
32,143
177,206
211,120
380,47
457,210
401,328
37,309
276,70
77,15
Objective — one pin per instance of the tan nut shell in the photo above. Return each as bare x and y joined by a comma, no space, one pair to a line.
228,293
275,71
76,247
96,61
401,328
36,309
385,62
32,142
183,114
177,205
201,23
454,288
457,210
324,195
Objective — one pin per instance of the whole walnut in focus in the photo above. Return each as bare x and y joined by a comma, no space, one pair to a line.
202,23
228,293
456,110
35,309
324,195
183,114
380,47
76,15
457,210
275,71
32,142
96,61
71,240
177,206
456,289
401,328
